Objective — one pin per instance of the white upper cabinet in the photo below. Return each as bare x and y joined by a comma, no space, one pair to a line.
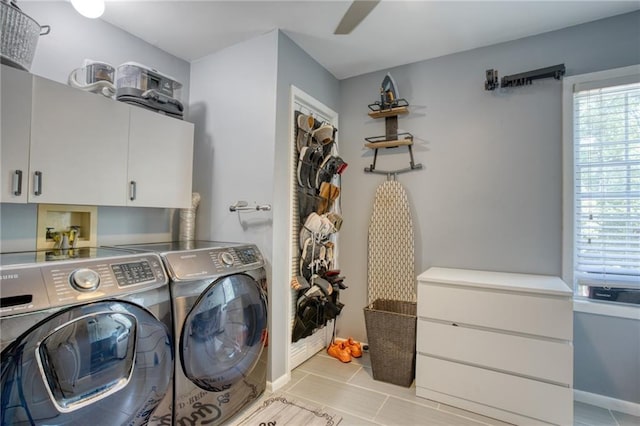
160,160
79,144
15,123
62,145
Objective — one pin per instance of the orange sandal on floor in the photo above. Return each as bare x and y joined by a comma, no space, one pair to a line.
339,351
356,347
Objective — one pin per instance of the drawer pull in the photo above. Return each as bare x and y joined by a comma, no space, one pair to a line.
37,183
132,190
454,324
17,182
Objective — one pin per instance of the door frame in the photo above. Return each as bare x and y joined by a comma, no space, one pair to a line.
303,349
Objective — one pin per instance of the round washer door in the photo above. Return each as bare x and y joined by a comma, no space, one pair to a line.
103,363
224,333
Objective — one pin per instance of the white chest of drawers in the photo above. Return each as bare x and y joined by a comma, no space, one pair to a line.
495,343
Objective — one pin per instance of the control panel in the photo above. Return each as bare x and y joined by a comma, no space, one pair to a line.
70,282
22,290
47,285
133,273
247,255
203,263
84,279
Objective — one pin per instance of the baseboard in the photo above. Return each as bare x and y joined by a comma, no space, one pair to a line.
274,385
609,403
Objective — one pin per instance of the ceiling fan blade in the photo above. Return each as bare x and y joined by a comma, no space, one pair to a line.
358,10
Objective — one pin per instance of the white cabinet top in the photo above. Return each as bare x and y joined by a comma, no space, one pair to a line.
543,284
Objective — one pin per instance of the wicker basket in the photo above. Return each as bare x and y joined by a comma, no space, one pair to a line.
19,36
391,331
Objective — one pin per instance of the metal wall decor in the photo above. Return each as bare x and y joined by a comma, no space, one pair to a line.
389,107
522,79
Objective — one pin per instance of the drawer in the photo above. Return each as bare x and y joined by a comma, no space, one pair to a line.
542,359
541,315
538,400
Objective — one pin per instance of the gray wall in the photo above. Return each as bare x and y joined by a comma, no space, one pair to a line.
490,194
240,106
233,107
73,39
233,98
295,67
607,356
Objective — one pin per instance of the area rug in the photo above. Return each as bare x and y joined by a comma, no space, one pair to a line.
278,410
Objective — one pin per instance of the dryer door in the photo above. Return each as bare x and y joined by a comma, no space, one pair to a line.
224,333
103,363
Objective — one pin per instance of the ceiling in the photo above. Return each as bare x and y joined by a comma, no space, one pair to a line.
394,33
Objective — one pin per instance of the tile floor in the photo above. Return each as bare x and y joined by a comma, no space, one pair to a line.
350,391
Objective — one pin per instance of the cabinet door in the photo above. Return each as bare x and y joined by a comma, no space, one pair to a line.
15,92
160,160
78,146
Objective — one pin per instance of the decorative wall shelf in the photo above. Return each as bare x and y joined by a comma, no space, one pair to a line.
391,139
376,142
389,112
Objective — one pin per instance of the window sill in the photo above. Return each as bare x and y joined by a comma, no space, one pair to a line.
607,309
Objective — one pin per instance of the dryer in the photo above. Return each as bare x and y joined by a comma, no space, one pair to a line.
86,338
219,299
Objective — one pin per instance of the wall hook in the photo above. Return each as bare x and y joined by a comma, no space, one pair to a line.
522,79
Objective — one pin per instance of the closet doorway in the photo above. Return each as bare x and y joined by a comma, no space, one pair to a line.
301,102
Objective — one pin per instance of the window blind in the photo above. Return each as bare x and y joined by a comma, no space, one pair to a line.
607,185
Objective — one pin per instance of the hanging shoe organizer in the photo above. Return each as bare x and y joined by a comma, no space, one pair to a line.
318,171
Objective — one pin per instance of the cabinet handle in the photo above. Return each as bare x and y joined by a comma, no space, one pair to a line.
17,182
132,190
37,183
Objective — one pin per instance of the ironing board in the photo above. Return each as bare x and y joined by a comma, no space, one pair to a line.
391,260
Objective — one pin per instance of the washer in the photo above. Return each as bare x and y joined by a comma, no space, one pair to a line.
86,338
219,299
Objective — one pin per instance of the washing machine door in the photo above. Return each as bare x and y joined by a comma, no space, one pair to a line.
224,333
105,363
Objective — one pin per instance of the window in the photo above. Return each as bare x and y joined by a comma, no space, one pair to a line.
602,193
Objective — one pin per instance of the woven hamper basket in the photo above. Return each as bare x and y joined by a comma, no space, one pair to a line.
391,331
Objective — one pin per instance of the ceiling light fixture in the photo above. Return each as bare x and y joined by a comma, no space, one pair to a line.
89,8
